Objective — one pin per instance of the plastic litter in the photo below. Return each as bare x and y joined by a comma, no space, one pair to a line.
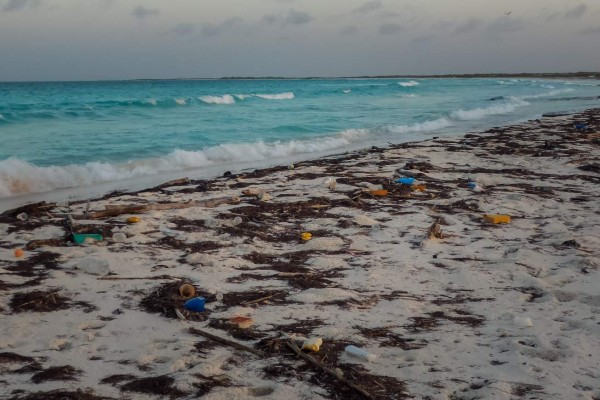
195,304
369,186
19,252
381,193
241,322
187,291
169,232
306,236
360,353
474,186
264,196
418,188
81,238
133,220
405,181
330,183
22,216
312,344
497,218
219,296
119,237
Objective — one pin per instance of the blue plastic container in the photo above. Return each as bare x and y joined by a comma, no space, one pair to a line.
195,304
405,181
472,185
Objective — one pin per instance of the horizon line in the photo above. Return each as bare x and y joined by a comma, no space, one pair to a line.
579,74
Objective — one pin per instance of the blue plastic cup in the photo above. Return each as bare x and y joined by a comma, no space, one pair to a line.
195,304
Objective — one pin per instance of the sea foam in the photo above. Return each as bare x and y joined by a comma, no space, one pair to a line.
20,177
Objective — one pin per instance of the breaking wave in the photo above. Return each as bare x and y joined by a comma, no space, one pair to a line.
421,126
408,84
229,99
548,94
225,99
20,177
279,96
479,113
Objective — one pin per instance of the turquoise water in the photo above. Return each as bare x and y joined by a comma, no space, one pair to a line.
74,134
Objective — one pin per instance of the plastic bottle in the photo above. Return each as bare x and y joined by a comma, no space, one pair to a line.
360,353
474,186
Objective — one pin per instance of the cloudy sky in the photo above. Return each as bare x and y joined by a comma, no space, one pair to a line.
121,39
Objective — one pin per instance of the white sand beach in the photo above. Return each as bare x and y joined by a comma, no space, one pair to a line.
449,305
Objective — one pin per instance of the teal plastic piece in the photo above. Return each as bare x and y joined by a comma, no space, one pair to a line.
79,238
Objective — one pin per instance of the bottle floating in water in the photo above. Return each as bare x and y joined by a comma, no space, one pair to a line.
360,353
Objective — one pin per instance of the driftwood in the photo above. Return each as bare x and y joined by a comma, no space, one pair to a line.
34,244
114,211
325,368
127,278
245,303
227,342
292,346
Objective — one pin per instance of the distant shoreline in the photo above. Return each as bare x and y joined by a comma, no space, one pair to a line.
572,75
536,75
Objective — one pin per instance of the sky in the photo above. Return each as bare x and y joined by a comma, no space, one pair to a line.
47,40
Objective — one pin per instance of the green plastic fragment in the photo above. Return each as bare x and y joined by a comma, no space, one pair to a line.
79,238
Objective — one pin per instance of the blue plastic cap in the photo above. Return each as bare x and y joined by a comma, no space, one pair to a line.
405,181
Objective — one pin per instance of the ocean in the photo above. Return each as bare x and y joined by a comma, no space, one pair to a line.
68,139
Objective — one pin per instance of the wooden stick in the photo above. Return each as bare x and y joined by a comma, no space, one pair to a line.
117,278
34,244
114,211
228,342
257,300
325,368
